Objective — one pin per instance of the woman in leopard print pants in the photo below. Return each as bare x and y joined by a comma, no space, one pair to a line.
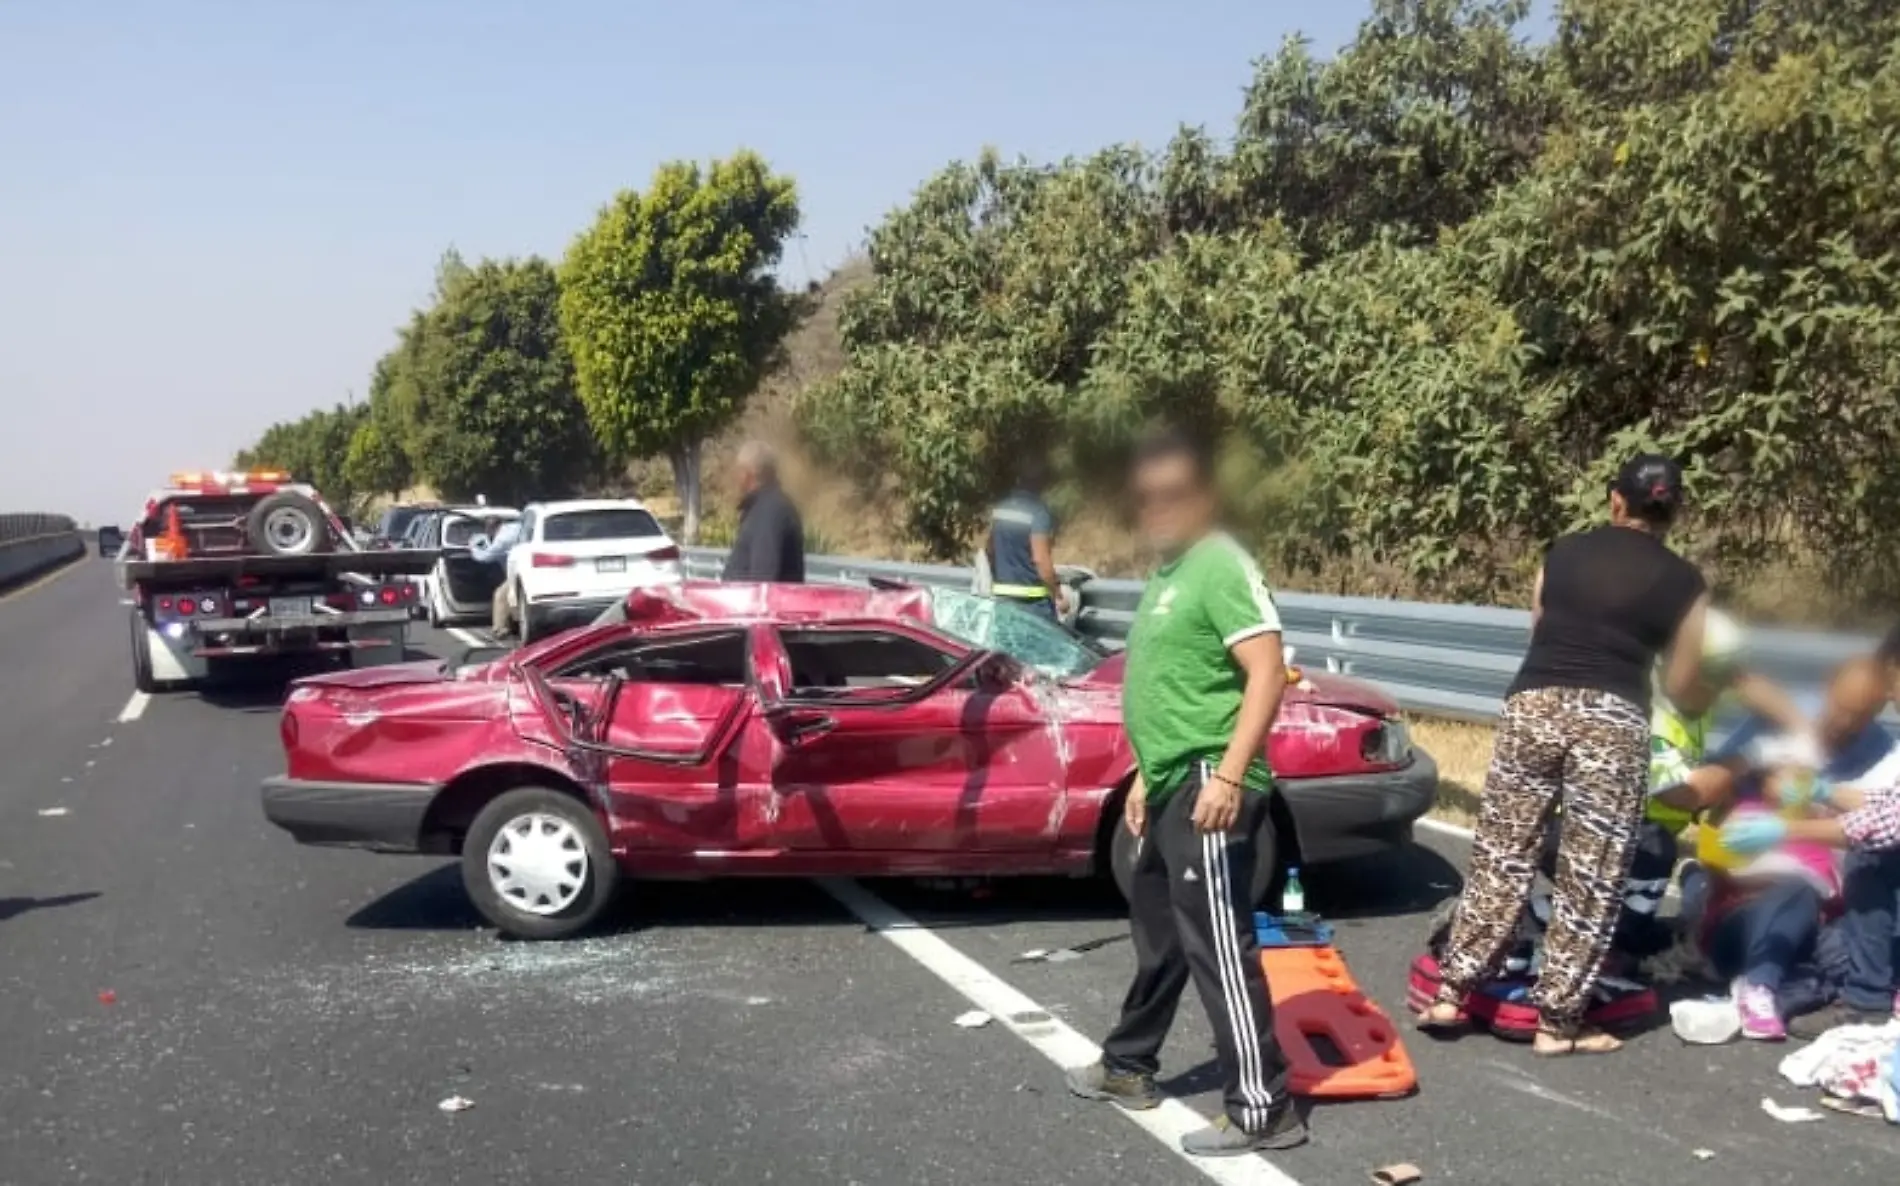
1575,731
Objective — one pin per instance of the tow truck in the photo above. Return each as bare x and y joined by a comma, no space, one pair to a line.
229,566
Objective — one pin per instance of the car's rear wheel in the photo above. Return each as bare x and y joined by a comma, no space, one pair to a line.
536,864
526,628
1266,871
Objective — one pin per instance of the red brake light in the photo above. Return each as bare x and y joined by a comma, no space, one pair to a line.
387,595
164,603
550,560
187,606
669,552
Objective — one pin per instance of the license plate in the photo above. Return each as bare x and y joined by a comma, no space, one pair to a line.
611,564
290,607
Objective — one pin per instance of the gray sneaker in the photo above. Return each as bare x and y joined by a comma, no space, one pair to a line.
1125,1089
1223,1138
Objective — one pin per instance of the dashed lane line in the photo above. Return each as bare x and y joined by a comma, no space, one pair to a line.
1035,1025
134,708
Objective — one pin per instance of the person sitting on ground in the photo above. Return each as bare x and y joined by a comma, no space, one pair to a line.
1683,782
1765,918
1863,818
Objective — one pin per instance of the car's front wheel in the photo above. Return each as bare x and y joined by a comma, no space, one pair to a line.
536,864
1266,873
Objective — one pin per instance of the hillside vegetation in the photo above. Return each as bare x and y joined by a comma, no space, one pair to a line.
1432,291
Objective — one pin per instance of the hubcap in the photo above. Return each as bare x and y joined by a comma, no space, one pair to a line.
289,530
537,863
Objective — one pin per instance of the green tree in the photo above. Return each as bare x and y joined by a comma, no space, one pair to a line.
376,463
490,391
672,312
312,449
477,396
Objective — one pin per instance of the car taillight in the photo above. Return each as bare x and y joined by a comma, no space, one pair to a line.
669,552
209,605
387,595
550,560
187,606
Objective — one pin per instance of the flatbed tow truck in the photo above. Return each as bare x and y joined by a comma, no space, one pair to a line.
224,567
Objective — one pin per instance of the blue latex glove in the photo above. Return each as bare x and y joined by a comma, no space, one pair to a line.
1754,833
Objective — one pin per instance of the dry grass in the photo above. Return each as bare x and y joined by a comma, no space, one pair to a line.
1463,752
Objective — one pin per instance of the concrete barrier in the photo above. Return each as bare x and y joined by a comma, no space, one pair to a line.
24,559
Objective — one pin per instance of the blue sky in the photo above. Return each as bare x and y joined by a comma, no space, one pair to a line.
213,215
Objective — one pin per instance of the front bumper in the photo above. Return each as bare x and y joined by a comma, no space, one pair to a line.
386,817
1360,815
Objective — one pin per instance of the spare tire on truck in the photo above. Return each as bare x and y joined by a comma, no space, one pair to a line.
287,524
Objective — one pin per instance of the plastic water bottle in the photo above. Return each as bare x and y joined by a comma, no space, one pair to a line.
1293,897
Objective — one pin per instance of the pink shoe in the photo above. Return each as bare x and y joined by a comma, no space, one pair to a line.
1760,1021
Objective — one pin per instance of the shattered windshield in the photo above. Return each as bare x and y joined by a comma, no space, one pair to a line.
999,626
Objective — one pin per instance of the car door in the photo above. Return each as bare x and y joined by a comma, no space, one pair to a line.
898,741
467,582
670,750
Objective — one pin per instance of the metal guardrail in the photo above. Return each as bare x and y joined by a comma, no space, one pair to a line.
1452,661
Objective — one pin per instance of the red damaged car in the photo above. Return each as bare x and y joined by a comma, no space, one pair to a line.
787,730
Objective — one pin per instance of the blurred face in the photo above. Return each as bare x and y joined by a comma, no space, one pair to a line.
1173,505
748,476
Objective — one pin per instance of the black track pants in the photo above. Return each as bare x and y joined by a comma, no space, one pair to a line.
1192,915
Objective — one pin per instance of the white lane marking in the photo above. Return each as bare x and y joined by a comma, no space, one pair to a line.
134,708
1035,1025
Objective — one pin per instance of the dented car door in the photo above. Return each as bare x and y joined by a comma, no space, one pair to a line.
894,741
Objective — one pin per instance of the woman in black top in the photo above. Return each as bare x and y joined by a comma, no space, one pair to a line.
1575,730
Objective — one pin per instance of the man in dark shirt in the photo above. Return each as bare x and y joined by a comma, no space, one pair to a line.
1022,564
770,545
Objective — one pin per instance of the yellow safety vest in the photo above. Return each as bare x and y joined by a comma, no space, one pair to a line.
1677,745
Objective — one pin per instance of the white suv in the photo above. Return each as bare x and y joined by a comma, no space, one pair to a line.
574,559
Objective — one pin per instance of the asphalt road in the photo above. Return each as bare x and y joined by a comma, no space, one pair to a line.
189,997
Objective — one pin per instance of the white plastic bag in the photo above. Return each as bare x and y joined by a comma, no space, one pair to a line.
1710,1021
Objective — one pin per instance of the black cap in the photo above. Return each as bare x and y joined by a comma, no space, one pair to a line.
1651,485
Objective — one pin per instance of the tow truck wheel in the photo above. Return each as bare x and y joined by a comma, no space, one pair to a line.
536,863
141,656
287,524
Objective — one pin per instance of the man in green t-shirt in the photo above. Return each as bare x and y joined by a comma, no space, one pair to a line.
1204,679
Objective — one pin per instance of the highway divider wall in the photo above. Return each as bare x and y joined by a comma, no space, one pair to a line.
31,544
